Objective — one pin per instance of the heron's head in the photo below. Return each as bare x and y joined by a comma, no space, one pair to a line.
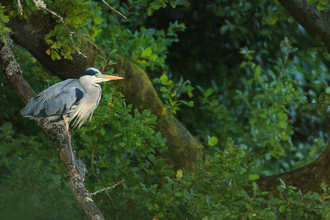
93,75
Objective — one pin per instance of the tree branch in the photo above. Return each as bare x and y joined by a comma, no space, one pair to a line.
314,21
306,178
104,189
309,177
183,148
20,7
56,132
42,6
69,31
106,3
13,71
138,90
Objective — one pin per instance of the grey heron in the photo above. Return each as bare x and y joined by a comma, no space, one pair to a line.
72,100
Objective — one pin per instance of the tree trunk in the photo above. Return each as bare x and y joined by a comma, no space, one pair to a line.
55,132
309,177
314,21
306,178
183,148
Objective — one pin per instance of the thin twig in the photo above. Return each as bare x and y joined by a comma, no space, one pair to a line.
106,3
14,75
105,64
41,5
70,32
283,65
20,7
94,193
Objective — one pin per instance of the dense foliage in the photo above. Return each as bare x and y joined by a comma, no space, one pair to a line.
242,76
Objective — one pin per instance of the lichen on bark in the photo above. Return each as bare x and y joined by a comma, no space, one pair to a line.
183,148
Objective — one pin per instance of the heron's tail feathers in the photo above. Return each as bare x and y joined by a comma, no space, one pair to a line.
35,109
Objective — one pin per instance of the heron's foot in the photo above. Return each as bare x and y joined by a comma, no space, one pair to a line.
76,163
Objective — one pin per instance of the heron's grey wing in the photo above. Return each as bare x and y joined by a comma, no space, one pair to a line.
54,90
57,100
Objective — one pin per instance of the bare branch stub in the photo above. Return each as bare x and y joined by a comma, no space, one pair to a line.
94,193
106,62
42,6
106,3
69,31
20,7
55,132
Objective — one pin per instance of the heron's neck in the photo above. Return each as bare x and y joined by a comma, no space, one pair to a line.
91,89
94,92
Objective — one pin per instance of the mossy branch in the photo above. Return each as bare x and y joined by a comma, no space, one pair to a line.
183,148
55,132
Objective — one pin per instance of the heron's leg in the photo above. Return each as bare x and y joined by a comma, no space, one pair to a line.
68,137
75,163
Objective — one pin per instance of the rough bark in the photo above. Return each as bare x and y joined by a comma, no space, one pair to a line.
309,177
55,132
314,21
13,71
183,148
306,178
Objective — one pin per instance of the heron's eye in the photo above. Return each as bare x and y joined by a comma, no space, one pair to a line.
98,75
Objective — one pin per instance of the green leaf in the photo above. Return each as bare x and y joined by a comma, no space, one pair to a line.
208,92
6,128
164,79
282,119
258,70
146,53
151,157
214,102
287,97
208,200
190,104
102,131
253,177
213,141
282,208
224,29
179,174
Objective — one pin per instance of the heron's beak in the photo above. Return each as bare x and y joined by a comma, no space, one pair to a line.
108,77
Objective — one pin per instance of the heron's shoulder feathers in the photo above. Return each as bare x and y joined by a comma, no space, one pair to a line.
56,100
56,89
79,94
